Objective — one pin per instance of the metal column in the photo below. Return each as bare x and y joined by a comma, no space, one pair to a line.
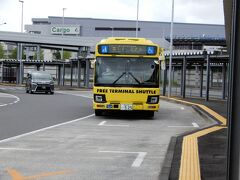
2,71
196,72
43,65
164,81
38,52
27,53
201,79
71,73
181,80
79,73
234,98
173,70
224,81
63,75
184,78
79,66
59,75
18,51
211,77
19,57
208,78
87,73
38,67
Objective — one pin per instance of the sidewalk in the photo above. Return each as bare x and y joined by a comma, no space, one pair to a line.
212,147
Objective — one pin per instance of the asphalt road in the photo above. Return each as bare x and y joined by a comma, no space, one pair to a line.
58,137
36,111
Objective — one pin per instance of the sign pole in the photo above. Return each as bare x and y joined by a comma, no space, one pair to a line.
171,49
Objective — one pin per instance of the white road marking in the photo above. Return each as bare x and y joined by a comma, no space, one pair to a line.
5,95
182,108
44,129
195,125
89,97
103,123
137,162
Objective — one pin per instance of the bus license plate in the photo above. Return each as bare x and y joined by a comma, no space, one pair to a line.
126,107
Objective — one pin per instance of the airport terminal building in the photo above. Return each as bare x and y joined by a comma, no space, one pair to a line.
159,32
90,27
186,35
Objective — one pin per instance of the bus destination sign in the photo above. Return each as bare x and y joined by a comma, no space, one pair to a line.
125,49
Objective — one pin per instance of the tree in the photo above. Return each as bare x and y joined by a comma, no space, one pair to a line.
1,52
13,54
67,54
41,55
57,55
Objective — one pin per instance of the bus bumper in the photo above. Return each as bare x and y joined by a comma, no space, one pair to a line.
126,106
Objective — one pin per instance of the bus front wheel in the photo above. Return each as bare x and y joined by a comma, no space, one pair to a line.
150,114
98,112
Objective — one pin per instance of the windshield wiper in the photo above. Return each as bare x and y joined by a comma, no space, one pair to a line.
134,78
119,78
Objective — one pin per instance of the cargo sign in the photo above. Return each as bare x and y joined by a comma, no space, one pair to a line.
65,30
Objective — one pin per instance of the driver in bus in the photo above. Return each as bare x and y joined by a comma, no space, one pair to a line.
108,72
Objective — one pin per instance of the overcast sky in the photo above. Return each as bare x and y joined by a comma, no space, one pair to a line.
188,11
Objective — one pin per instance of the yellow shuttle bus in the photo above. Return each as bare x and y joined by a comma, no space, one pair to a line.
126,75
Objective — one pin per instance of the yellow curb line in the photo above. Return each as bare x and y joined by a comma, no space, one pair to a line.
190,164
205,108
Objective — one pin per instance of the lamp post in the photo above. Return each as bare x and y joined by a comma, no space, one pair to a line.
137,18
20,51
62,30
21,1
171,48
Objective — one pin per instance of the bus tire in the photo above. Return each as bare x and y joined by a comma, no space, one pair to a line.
150,114
98,112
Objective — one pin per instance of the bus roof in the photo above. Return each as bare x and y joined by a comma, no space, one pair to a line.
126,40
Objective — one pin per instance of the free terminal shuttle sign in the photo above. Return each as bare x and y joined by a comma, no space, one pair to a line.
65,29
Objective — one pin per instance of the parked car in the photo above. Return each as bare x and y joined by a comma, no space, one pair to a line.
39,81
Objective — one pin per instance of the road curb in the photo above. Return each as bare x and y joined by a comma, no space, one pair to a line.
167,164
190,163
206,116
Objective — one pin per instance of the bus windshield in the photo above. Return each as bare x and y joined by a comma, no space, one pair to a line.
127,72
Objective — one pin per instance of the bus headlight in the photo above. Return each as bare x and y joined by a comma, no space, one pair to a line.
100,98
153,99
